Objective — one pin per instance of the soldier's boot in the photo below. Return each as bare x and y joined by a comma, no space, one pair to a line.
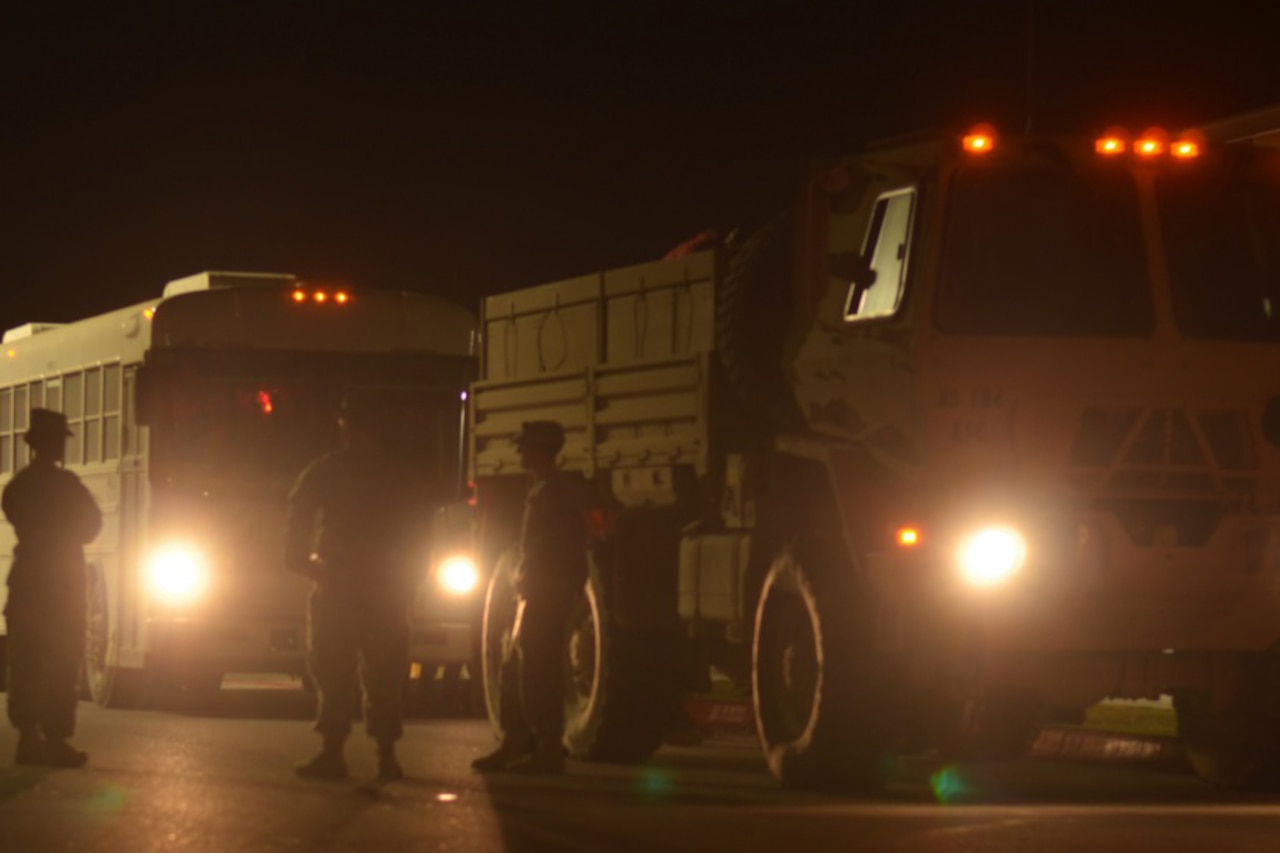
30,747
329,764
513,747
389,769
546,760
59,753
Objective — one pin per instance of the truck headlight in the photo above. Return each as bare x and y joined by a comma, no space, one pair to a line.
177,574
458,575
991,556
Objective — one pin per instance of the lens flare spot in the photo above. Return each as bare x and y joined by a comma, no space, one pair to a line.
948,785
655,782
111,800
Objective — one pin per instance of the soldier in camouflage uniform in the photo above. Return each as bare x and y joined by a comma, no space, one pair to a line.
549,579
355,527
54,517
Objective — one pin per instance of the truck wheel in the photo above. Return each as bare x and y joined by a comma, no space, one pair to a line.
621,689
754,304
1235,750
107,685
821,708
499,617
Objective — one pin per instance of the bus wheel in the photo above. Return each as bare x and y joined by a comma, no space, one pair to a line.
621,687
1235,750
108,685
819,698
499,618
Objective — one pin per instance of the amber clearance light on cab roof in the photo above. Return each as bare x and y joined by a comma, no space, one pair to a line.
981,139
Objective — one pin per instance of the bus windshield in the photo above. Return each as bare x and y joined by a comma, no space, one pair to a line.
1221,231
219,428
1044,250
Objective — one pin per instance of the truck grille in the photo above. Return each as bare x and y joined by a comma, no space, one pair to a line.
1165,453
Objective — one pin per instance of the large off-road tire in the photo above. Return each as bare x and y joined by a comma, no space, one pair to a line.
108,685
1235,750
754,304
622,688
823,712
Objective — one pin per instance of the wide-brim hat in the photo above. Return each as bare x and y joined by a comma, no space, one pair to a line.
548,435
46,425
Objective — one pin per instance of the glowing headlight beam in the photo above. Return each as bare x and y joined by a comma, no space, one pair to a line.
458,575
177,574
992,556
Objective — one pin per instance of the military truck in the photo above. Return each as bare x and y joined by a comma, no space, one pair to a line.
983,430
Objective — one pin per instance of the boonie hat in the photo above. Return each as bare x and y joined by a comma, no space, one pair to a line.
46,424
548,435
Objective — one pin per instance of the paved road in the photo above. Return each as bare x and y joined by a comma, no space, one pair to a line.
166,781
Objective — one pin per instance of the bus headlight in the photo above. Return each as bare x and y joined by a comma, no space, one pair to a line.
458,575
177,574
991,556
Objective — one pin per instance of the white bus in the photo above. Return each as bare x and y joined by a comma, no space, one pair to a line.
192,416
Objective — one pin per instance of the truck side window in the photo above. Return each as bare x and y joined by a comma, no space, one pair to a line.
887,244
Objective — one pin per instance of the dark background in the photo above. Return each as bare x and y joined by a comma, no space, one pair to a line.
468,147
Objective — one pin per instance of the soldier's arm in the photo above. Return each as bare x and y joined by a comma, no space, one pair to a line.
87,515
300,521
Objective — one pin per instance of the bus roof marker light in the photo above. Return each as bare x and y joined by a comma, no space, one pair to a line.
1114,140
1188,146
341,297
1153,142
299,295
320,296
980,139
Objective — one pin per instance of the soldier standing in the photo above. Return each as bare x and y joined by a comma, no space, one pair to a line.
354,526
54,517
549,577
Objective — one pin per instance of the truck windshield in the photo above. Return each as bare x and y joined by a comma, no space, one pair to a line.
1221,230
234,428
1044,250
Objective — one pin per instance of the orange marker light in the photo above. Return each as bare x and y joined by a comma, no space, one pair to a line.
1109,145
1189,145
1114,140
13,353
1153,143
907,537
299,296
980,140
321,296
264,403
148,313
341,297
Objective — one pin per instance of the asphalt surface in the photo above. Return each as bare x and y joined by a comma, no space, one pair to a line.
223,781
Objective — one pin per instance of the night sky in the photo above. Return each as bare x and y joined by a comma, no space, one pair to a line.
467,147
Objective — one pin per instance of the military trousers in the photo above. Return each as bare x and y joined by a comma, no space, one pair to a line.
45,650
356,649
533,672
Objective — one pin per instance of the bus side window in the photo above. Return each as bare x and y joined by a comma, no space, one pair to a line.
73,408
111,412
6,431
92,415
20,411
